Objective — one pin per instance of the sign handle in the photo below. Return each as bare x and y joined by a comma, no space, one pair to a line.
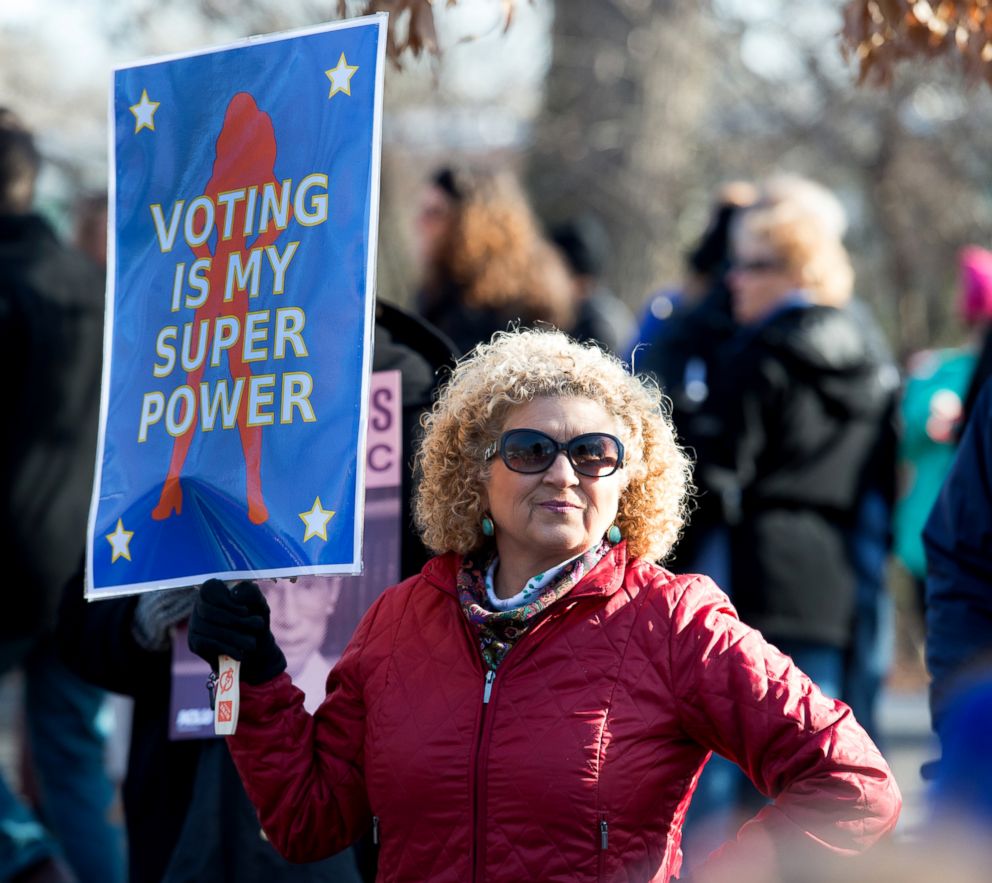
228,697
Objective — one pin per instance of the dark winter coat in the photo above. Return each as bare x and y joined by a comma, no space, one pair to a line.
51,337
467,326
958,543
602,317
690,359
810,401
578,760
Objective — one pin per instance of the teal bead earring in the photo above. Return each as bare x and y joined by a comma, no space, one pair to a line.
614,535
488,528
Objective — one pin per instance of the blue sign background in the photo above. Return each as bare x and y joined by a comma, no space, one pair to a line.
139,539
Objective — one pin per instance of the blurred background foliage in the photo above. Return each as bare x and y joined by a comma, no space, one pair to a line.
635,110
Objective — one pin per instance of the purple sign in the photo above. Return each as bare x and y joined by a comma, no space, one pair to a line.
313,617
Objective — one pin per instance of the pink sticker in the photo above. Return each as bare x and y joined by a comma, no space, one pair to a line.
384,459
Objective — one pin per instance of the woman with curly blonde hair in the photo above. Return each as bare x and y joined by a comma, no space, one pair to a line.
538,702
486,263
516,369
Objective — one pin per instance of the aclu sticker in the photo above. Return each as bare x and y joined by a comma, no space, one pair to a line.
244,206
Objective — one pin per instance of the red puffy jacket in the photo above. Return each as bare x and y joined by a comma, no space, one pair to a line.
577,760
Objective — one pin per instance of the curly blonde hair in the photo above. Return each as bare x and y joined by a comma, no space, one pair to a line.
517,367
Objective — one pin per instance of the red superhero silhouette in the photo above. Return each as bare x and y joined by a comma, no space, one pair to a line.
246,155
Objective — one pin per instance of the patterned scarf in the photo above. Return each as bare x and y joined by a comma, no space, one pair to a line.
497,631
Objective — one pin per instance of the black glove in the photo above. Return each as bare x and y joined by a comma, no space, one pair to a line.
235,623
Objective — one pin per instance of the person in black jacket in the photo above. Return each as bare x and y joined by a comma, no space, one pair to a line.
51,337
809,400
688,354
188,818
958,543
714,357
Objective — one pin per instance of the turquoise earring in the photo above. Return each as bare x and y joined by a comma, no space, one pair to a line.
614,535
488,528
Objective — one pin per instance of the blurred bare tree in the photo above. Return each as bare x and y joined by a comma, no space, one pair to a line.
626,95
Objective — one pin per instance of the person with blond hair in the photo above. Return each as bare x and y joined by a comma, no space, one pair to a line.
810,401
538,702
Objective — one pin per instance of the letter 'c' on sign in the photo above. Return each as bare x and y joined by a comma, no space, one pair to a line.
381,458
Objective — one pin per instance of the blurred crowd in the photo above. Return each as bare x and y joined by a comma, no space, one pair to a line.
817,458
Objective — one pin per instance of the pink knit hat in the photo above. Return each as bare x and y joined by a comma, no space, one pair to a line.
976,284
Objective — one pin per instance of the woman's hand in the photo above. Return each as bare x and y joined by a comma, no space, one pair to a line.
235,622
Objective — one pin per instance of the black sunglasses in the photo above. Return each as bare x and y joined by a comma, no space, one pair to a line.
593,454
759,265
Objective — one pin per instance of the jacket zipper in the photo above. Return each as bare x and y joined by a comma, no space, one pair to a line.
477,796
604,842
375,830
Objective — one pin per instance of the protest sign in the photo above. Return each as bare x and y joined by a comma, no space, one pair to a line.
313,619
244,210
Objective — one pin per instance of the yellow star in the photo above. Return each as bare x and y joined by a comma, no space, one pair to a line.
316,521
119,541
144,113
340,77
